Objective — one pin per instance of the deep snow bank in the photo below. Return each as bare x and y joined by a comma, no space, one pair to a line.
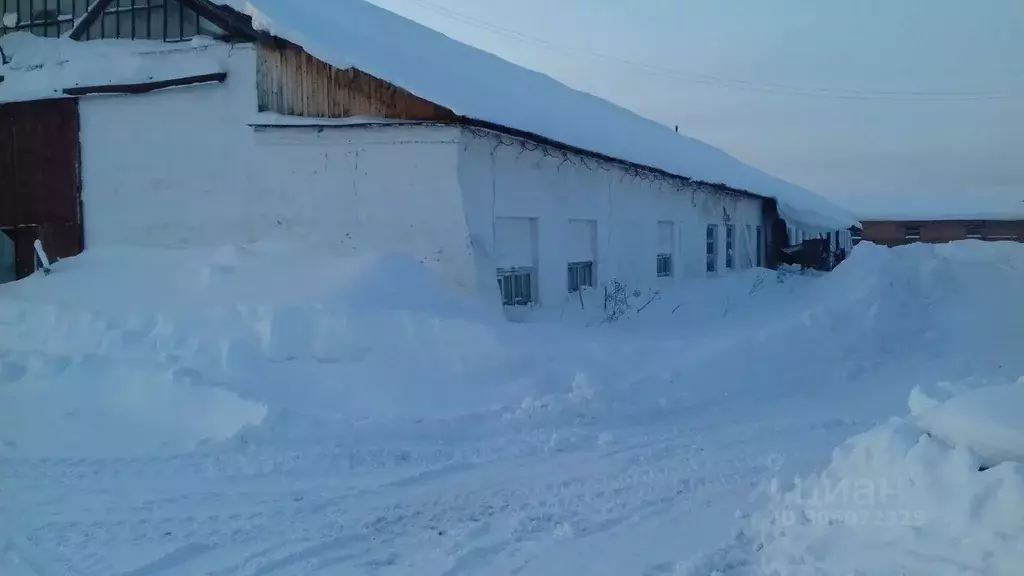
989,421
216,310
940,492
95,407
375,337
125,351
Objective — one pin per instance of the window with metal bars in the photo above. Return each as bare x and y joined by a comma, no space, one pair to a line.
167,20
912,233
516,285
712,247
974,232
580,274
730,244
49,18
664,265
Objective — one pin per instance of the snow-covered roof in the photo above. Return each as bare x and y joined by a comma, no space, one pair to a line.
42,68
976,205
479,85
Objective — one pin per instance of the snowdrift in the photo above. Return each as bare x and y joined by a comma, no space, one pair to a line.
269,408
276,329
940,492
123,351
94,407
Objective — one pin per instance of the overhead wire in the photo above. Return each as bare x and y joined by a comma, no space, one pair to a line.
707,79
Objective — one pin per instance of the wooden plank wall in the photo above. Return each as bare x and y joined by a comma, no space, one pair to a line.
291,81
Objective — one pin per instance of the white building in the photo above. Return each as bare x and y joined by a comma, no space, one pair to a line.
343,124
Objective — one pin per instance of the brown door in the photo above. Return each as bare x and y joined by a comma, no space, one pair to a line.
40,179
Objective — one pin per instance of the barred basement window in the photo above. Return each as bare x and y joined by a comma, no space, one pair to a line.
712,247
580,274
664,265
730,241
974,232
516,286
913,233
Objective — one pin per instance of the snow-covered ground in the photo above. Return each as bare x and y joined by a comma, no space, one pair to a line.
941,492
268,410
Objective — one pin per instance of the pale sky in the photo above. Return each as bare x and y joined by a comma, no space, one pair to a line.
877,104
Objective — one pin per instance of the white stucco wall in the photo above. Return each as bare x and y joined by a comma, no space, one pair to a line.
501,178
183,167
170,168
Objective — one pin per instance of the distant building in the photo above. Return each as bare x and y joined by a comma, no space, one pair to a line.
357,130
899,232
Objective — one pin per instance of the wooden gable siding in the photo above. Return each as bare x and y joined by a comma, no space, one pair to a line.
291,81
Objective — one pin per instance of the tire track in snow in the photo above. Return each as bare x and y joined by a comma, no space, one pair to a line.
253,501
420,503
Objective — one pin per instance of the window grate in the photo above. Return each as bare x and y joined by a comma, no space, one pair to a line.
664,265
730,242
516,285
167,20
48,18
912,233
712,247
580,274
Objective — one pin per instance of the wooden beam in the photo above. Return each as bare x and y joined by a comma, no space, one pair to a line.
235,23
144,87
91,15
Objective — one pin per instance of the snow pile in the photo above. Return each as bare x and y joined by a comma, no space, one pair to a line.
989,421
674,305
126,350
274,409
98,408
940,492
481,86
41,68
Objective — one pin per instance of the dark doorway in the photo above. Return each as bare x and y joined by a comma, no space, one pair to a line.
40,180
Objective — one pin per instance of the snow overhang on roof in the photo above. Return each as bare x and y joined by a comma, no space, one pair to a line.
42,68
481,86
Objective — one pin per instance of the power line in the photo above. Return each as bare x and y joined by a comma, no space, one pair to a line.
707,79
